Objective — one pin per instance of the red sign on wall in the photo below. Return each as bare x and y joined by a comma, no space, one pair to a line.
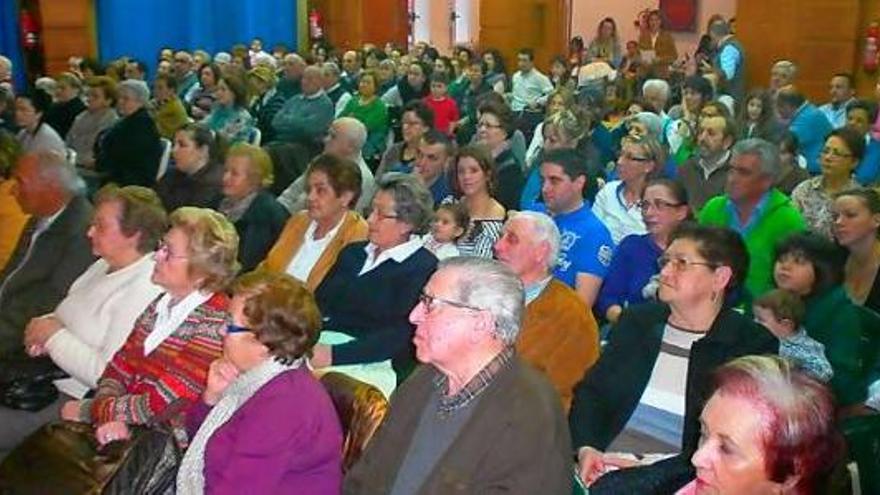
679,15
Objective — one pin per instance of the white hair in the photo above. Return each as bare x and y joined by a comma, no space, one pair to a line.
491,286
54,169
4,61
787,66
222,58
543,229
355,131
656,85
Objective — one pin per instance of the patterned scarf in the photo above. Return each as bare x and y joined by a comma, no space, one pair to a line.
191,476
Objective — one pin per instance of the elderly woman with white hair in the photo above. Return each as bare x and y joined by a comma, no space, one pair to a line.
475,418
367,295
129,152
782,75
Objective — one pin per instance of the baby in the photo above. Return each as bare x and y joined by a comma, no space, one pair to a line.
450,222
782,312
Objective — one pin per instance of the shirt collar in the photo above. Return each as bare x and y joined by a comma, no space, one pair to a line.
318,94
753,218
398,253
479,383
532,291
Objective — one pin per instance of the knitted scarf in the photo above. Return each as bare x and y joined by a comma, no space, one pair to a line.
190,476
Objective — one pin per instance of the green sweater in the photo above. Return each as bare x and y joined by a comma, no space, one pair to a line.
374,116
835,322
777,221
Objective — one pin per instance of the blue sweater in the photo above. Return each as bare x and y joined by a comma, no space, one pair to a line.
868,171
633,265
811,127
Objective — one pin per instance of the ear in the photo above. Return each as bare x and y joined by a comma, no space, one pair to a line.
728,142
723,277
348,198
581,181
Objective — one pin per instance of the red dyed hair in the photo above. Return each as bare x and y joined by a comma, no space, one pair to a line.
799,439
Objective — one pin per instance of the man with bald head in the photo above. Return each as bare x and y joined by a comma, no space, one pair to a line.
305,118
292,68
53,249
185,74
559,335
351,70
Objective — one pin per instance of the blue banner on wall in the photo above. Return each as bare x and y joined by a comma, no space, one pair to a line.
141,28
10,39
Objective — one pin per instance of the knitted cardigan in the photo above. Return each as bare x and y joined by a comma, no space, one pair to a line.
136,388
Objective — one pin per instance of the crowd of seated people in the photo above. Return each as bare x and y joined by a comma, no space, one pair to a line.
191,251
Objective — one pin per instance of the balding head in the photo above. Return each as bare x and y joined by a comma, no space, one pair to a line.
346,138
293,66
45,182
311,80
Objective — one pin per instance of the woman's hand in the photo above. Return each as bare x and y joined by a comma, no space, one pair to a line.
39,330
220,375
112,431
70,410
612,314
592,464
322,356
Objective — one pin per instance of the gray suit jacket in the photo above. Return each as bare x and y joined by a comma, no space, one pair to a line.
59,256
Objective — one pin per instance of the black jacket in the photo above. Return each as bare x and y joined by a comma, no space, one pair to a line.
258,229
61,115
608,395
58,257
128,152
203,189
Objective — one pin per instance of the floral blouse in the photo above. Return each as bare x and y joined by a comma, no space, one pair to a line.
814,203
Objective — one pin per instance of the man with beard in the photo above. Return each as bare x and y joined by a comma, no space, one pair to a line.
704,175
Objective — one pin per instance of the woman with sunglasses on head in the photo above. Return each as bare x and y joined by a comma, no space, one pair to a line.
264,423
658,360
631,277
616,204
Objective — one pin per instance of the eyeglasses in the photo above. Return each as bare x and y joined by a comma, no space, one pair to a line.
233,328
657,204
488,125
428,301
681,264
835,153
164,252
380,215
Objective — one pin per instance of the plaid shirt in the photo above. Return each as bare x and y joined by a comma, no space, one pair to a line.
479,383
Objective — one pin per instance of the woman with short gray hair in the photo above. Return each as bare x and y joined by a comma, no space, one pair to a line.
128,154
367,296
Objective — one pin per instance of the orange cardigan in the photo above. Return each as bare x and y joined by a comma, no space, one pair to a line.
559,337
12,221
354,228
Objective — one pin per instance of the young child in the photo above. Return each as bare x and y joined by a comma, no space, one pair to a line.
450,222
782,312
444,107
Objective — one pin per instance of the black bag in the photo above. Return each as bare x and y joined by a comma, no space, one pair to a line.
26,383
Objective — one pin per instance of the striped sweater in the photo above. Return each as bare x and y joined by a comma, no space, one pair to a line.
135,388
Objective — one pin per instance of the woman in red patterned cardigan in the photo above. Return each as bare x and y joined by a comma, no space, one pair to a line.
164,363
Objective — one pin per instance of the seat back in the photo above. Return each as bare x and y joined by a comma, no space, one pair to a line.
166,157
862,435
256,136
361,408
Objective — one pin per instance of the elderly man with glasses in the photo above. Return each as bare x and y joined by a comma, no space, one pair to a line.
475,418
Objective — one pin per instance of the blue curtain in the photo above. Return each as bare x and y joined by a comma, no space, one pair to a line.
141,28
10,39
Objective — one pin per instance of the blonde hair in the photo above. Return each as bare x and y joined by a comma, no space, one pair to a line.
260,170
212,245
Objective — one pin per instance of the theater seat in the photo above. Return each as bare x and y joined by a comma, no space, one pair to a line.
361,408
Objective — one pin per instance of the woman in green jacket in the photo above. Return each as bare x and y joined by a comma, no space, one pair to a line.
372,112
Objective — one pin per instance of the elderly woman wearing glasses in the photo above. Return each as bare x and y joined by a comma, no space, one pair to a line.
264,423
814,198
632,275
659,358
165,359
617,202
366,297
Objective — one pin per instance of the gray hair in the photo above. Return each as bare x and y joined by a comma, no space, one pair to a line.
138,89
787,66
652,121
413,203
54,169
313,69
293,58
657,85
766,152
222,58
354,130
4,61
330,69
543,229
490,286
719,28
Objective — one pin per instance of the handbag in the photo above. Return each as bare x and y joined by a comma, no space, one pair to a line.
65,458
27,383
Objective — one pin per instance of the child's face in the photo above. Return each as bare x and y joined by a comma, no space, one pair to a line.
444,227
754,109
781,328
438,89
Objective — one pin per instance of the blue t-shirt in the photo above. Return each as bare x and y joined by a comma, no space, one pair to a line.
585,245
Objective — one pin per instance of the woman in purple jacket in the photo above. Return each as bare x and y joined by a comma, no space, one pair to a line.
264,424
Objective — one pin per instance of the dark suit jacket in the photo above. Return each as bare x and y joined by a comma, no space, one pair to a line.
608,395
258,229
514,443
128,152
59,256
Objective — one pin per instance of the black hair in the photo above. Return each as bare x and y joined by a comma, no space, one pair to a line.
827,258
422,111
572,163
701,85
853,140
868,106
719,246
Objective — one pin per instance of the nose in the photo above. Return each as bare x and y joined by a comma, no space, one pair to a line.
417,315
700,459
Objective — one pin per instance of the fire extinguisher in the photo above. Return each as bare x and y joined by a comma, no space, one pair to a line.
315,30
872,52
30,31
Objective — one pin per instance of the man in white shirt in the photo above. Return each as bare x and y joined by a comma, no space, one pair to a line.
530,91
842,93
345,139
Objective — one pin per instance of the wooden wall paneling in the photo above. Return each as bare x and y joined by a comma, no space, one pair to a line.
68,28
384,21
509,25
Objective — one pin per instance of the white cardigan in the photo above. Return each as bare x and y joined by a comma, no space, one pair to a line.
98,314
